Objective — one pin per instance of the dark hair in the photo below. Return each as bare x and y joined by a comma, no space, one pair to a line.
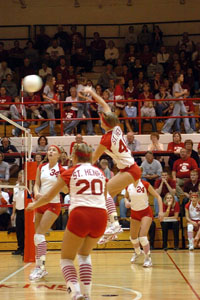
44,137
149,152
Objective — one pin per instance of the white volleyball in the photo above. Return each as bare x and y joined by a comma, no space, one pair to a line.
32,83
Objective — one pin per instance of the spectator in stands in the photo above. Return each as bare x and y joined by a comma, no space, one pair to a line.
111,53
63,38
33,109
79,58
18,114
55,52
119,67
134,145
26,68
120,106
4,215
157,37
72,99
97,47
192,153
190,111
131,112
38,158
146,93
45,70
78,140
156,146
126,74
83,109
192,212
71,77
75,32
10,86
196,69
171,209
146,56
111,89
130,37
42,144
130,92
181,170
163,186
7,147
64,159
190,186
163,57
68,113
154,67
156,83
186,42
139,83
103,165
32,54
4,70
61,87
179,107
151,168
6,100
4,169
105,77
162,107
48,96
3,53
16,55
18,212
136,68
148,110
196,53
144,37
130,56
62,68
184,60
42,40
175,147
189,80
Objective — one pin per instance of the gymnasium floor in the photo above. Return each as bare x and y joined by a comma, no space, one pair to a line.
175,275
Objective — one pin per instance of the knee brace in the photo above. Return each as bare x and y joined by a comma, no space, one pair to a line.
134,241
84,259
38,239
190,227
143,240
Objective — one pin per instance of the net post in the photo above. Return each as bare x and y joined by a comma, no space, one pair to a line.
29,247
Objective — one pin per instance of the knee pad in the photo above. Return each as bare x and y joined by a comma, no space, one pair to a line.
190,227
143,240
38,239
134,241
84,259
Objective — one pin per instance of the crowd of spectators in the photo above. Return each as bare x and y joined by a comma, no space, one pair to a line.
144,69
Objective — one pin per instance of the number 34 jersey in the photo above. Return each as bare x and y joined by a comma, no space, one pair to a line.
114,141
86,185
139,195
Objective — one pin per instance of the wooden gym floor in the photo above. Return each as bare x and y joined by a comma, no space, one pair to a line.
174,275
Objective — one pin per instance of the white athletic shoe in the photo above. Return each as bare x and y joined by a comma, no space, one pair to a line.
135,257
191,247
78,296
113,229
37,274
147,263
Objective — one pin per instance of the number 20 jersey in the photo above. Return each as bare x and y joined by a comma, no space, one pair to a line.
114,141
86,185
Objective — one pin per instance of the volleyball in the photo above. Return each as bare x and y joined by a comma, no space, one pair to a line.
32,83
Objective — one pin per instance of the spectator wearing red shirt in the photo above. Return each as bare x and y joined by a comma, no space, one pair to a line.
171,209
190,186
71,77
181,170
4,109
175,146
97,47
61,86
33,109
62,68
192,153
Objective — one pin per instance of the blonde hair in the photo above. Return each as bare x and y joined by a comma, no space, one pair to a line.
83,152
165,202
104,162
111,119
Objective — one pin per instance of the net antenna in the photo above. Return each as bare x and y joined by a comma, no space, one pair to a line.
27,151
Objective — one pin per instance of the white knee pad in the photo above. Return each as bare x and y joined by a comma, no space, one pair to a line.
84,259
190,227
38,239
143,240
134,241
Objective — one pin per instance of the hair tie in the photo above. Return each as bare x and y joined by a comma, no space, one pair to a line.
104,120
56,148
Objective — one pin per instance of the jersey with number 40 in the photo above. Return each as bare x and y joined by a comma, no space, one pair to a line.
114,141
86,185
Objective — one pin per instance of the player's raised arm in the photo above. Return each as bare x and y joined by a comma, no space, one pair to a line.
98,99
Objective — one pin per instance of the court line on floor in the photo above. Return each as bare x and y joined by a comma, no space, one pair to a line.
186,280
14,273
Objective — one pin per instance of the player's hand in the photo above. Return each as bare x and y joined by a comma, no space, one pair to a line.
87,90
30,206
161,216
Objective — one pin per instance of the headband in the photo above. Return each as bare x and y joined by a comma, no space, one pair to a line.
82,154
104,120
56,148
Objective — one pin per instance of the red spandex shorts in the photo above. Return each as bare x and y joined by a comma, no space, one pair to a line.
196,228
87,221
53,207
134,170
139,214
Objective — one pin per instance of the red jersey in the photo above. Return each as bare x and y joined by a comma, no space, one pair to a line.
6,100
119,95
34,99
173,210
183,167
68,115
174,146
171,182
